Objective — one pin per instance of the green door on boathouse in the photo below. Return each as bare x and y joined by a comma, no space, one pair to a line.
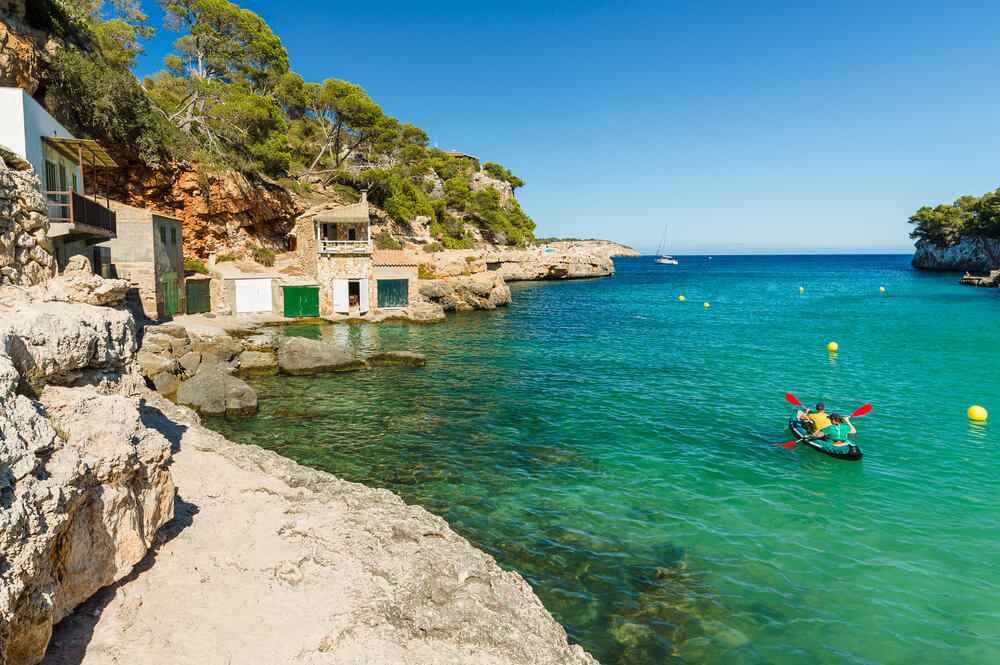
199,297
393,293
301,300
171,301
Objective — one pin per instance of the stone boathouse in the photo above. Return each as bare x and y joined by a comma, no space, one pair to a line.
335,248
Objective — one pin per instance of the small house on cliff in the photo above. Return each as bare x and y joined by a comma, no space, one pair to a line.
335,248
78,223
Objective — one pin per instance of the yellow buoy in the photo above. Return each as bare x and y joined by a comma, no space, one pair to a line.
801,289
681,298
832,346
707,305
976,413
882,289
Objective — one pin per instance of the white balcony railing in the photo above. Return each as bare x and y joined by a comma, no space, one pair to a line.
345,247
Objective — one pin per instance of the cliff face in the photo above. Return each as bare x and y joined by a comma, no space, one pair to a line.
21,49
221,210
970,253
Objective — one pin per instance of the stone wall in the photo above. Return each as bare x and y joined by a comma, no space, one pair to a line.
26,255
329,268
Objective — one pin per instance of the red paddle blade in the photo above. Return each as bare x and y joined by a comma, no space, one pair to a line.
790,398
862,411
786,445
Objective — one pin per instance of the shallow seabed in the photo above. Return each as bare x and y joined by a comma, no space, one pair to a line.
614,446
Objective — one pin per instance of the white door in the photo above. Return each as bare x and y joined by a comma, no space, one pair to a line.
364,295
253,295
340,299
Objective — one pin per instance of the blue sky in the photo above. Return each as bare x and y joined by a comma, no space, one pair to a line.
746,126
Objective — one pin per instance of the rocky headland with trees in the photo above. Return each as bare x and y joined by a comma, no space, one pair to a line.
964,235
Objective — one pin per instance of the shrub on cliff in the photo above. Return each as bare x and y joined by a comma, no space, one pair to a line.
384,240
95,99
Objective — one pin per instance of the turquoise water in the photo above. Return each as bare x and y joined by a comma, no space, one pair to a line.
614,446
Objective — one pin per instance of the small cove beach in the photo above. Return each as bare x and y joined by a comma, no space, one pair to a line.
614,446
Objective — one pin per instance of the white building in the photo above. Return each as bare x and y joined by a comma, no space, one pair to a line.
77,222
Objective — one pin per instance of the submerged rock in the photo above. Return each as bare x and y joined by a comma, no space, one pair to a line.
298,356
258,363
398,358
213,393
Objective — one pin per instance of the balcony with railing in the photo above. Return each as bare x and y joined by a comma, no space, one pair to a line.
83,214
344,246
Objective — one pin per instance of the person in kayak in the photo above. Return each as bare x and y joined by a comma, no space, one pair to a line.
819,419
837,431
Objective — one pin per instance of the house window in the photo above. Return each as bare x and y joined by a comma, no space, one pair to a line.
163,234
173,236
352,233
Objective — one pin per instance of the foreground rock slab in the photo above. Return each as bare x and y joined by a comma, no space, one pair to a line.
213,393
269,562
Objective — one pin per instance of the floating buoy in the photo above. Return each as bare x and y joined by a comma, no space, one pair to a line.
801,289
707,305
882,289
832,346
681,298
976,413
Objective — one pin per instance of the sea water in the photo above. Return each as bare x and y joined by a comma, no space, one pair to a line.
615,446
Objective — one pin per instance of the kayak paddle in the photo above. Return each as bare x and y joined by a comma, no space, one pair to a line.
860,411
790,398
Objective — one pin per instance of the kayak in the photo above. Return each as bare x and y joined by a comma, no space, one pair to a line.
847,451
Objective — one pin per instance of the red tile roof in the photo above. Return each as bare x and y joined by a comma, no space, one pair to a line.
392,257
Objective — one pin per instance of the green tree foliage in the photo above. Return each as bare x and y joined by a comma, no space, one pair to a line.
225,84
945,225
90,89
500,173
97,100
227,97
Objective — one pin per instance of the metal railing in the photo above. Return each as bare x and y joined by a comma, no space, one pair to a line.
69,206
345,246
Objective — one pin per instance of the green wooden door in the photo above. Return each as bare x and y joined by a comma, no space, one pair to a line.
301,300
171,302
199,297
393,293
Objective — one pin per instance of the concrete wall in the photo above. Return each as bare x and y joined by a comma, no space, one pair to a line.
142,255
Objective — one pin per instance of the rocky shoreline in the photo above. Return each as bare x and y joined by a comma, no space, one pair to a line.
972,253
91,461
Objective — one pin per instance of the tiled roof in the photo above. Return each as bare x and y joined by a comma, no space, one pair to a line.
392,257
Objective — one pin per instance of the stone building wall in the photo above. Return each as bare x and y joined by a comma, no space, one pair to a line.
26,255
329,268
305,245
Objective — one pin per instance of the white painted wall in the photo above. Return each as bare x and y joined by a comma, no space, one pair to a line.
12,120
23,123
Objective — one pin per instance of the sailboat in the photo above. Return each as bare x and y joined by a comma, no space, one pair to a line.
662,258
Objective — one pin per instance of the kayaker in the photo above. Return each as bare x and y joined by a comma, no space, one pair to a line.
838,430
819,419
